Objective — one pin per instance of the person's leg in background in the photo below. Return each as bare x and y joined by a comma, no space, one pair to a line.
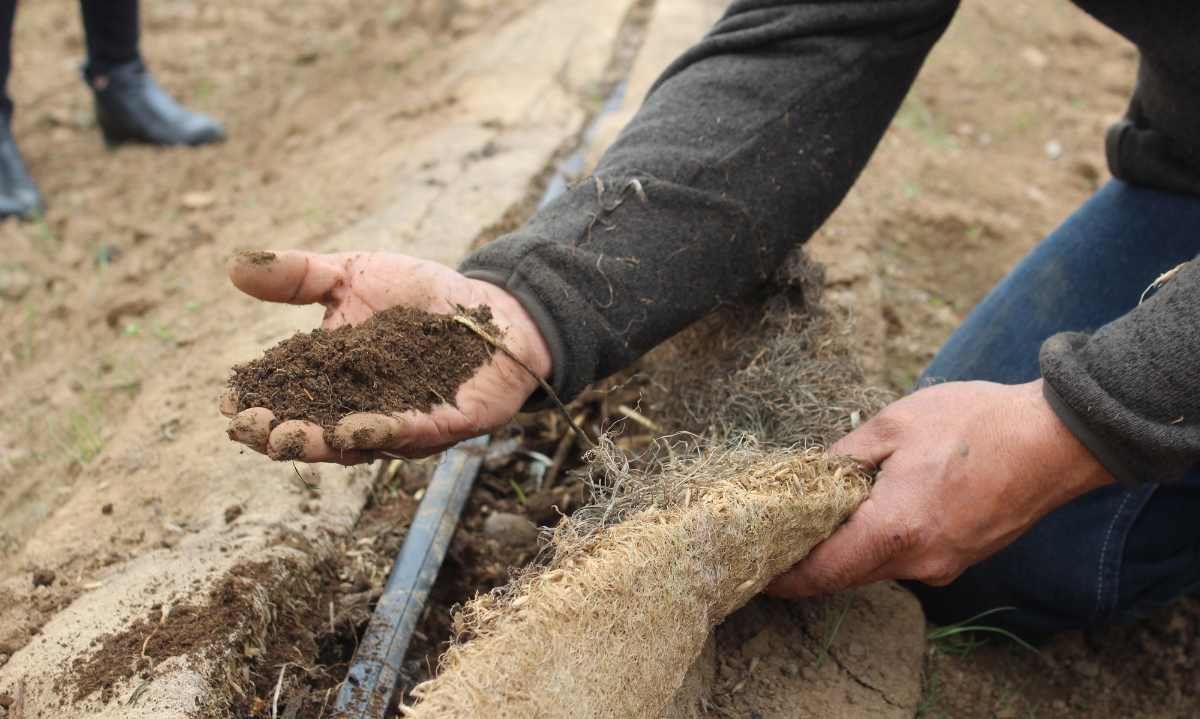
130,106
1116,552
111,31
18,194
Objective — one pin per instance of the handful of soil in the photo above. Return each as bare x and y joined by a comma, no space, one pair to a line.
400,359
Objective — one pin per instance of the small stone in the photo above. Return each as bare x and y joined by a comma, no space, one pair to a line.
510,529
15,282
43,577
1054,149
790,669
197,200
232,512
107,509
808,674
1034,57
759,645
1086,669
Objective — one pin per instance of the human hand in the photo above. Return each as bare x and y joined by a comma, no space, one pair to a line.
355,285
964,469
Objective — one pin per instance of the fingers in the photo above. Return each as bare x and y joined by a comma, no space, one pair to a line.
292,440
870,444
356,439
292,276
410,434
368,431
857,553
305,442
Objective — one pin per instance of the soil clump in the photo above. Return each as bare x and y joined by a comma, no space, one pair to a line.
169,631
400,359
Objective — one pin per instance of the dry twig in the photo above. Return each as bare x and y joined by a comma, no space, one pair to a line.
471,325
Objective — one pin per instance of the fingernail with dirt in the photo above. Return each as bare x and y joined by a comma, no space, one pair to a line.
254,257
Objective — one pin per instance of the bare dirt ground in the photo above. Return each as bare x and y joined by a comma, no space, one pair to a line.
421,126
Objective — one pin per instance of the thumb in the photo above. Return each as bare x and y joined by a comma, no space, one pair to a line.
291,276
870,444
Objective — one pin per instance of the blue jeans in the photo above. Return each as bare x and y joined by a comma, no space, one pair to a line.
1115,553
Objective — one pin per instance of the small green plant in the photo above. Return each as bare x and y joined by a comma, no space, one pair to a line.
43,235
518,491
915,115
164,333
832,623
964,637
119,374
25,345
931,692
204,89
1025,121
79,434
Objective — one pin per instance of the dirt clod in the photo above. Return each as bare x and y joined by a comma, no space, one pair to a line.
232,512
182,629
107,509
510,529
399,359
43,577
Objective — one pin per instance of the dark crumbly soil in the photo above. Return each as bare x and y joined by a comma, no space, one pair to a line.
399,359
177,630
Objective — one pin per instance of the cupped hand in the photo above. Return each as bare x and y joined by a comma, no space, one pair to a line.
354,285
964,469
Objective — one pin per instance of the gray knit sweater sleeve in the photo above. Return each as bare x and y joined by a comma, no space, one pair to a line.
1131,390
742,149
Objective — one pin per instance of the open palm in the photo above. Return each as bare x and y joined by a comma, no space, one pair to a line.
353,286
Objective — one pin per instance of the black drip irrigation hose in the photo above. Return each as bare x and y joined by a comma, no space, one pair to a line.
373,676
375,671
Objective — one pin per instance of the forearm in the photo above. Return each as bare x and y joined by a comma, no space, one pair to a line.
742,149
1131,391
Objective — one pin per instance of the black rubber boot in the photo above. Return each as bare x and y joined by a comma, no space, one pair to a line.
18,195
131,107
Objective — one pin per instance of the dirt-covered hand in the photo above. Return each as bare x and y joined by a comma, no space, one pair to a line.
353,286
964,469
